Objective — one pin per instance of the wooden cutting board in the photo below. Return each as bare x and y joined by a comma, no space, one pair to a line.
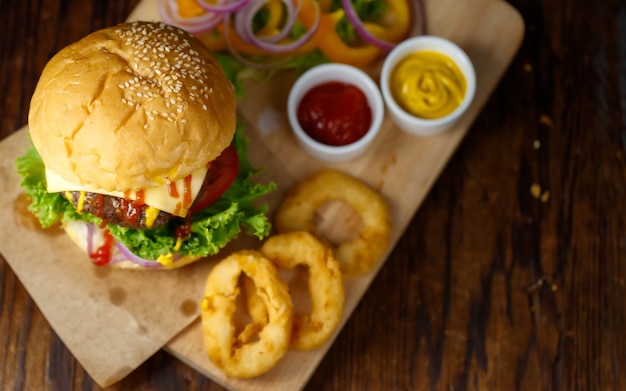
401,166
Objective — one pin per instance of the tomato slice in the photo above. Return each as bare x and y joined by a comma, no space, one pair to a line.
222,173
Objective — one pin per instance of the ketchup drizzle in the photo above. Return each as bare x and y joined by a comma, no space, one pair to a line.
172,190
140,198
187,192
129,209
102,255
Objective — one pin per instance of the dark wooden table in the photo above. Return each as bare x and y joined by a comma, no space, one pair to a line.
512,275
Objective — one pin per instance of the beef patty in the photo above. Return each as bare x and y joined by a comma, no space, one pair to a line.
117,210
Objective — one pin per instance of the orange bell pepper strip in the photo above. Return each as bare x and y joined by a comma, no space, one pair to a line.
330,43
189,8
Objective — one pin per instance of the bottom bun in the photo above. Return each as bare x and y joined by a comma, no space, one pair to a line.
78,231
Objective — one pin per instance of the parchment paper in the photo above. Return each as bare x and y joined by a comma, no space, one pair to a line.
112,320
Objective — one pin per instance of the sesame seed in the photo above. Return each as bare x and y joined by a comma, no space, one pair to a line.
156,74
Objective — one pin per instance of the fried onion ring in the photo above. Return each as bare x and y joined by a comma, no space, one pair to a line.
237,355
286,251
357,256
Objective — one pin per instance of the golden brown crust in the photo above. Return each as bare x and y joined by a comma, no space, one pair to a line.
359,255
132,106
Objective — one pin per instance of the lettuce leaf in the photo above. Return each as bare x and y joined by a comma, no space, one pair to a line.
237,73
211,229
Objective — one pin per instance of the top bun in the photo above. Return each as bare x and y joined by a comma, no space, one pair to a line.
132,106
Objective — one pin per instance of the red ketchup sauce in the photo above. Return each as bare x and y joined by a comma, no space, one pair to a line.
183,231
172,189
187,191
335,113
131,209
102,255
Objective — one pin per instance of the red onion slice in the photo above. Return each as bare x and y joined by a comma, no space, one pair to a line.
419,25
361,29
243,26
245,17
135,259
243,60
90,234
418,28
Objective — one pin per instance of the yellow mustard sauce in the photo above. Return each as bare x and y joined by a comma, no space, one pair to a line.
167,260
151,215
80,203
428,84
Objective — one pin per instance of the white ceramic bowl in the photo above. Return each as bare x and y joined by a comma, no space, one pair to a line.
409,122
345,74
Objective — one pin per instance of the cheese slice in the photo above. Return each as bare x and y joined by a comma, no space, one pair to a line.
158,197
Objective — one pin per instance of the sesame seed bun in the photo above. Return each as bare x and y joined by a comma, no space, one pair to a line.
131,107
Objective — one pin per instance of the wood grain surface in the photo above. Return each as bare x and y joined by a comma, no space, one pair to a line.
511,275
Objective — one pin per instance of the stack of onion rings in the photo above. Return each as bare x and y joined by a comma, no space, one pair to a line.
357,256
237,355
274,327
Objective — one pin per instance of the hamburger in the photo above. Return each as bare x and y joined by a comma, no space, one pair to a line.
136,149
